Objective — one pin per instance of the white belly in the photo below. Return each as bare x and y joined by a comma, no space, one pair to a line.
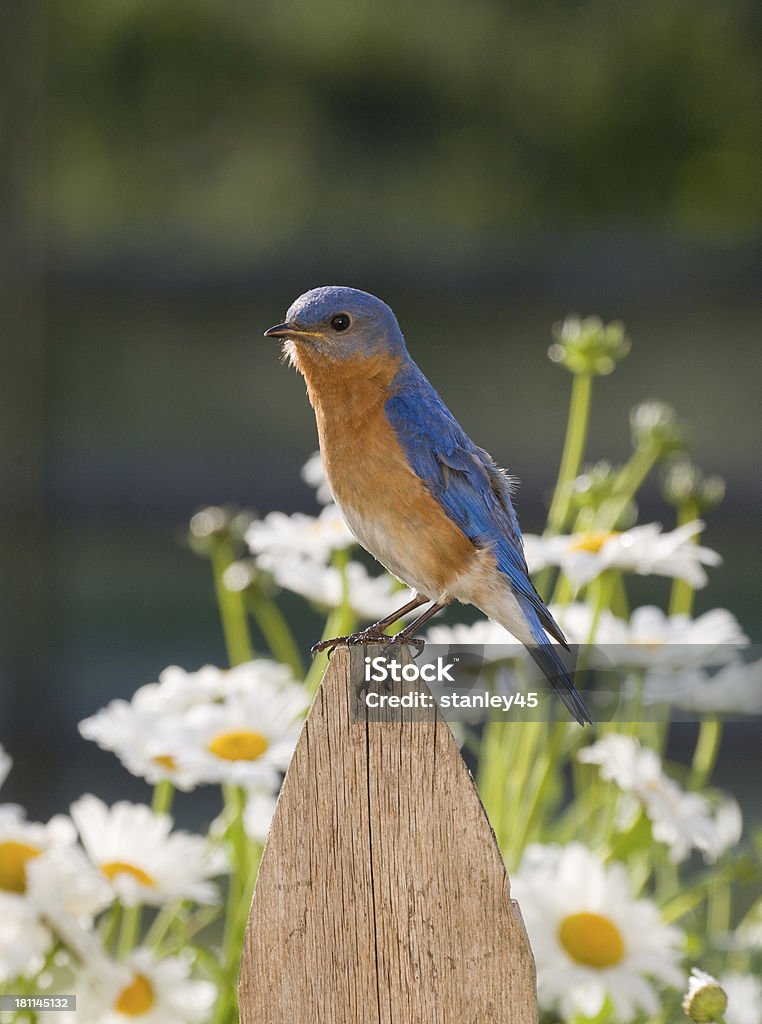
386,549
480,585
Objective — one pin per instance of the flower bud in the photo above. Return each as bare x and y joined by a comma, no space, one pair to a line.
684,482
705,999
217,522
654,426
589,346
240,575
209,521
594,484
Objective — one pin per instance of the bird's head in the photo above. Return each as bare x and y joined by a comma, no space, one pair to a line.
335,323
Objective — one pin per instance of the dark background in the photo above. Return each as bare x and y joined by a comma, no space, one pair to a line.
173,174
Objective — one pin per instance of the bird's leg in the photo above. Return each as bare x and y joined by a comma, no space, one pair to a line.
407,635
371,634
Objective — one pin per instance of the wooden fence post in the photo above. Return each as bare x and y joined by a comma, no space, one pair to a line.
382,896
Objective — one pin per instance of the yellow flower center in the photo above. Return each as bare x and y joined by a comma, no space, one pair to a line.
239,745
592,541
112,868
13,861
591,939
136,998
165,761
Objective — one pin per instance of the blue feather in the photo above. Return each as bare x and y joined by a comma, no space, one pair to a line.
476,494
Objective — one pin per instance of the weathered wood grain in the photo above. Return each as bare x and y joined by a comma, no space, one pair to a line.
382,896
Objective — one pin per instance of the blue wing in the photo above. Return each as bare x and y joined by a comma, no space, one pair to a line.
476,494
473,490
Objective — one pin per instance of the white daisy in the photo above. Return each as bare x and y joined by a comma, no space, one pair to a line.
644,550
673,643
477,634
46,882
247,740
140,737
24,940
144,990
279,535
728,828
178,690
6,762
591,939
681,820
22,841
260,675
143,731
578,624
371,597
719,630
142,859
482,633
736,689
653,639
313,474
62,883
258,814
744,992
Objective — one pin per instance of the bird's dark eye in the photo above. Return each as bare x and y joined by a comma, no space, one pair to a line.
340,322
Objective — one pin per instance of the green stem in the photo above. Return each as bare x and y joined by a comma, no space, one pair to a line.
162,923
601,589
629,481
574,446
232,607
705,754
505,764
536,796
620,605
690,898
191,927
340,622
718,910
682,595
501,776
491,782
163,794
681,598
533,737
128,932
232,942
111,925
275,630
239,648
564,590
683,904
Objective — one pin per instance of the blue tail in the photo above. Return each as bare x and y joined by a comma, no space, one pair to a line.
547,657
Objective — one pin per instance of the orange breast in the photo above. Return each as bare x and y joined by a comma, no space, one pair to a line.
387,506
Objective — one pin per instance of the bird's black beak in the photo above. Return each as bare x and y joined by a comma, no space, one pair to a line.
285,330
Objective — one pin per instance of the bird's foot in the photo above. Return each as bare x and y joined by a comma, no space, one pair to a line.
389,643
406,641
365,636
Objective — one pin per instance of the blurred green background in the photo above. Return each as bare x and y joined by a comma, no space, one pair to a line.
173,174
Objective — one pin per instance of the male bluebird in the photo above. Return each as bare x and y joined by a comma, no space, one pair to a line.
417,493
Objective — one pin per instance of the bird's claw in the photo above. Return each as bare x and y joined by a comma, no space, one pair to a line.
407,641
328,645
352,640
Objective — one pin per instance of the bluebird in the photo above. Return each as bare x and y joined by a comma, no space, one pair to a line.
418,494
